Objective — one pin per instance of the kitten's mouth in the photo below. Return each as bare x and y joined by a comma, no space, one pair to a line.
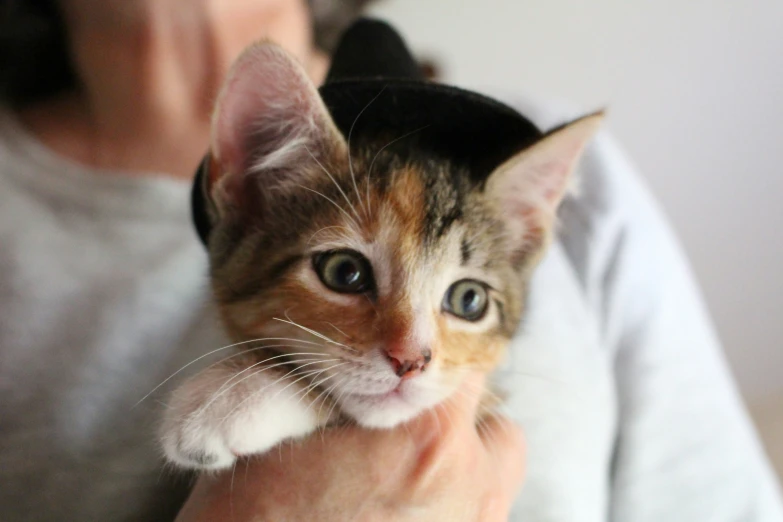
385,409
397,393
394,392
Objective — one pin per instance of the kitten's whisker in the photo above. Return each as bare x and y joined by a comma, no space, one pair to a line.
261,390
327,394
437,421
336,401
484,432
225,388
496,413
257,392
482,414
291,354
323,396
459,407
249,350
374,308
167,379
313,332
350,135
305,375
231,490
313,386
326,228
284,363
488,435
330,200
333,326
392,142
485,391
335,183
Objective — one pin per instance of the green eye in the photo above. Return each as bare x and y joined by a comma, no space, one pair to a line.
467,299
344,271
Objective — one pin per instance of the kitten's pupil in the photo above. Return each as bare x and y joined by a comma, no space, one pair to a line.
470,301
344,271
348,273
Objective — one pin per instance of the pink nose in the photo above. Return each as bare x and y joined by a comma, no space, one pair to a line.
407,363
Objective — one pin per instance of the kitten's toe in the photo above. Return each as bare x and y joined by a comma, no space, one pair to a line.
202,459
192,449
208,424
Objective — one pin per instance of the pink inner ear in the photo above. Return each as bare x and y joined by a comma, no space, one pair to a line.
534,191
550,180
531,185
267,101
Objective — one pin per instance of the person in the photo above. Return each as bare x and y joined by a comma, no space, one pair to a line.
627,407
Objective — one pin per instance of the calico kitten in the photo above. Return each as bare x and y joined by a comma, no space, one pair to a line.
361,283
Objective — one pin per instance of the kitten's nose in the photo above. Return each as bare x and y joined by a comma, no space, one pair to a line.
407,363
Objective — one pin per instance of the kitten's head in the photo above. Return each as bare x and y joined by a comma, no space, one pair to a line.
412,266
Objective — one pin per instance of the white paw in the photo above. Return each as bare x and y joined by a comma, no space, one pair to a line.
218,416
190,445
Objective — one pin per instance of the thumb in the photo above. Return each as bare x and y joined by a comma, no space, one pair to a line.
455,415
505,445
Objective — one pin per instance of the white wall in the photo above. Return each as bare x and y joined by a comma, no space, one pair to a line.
695,92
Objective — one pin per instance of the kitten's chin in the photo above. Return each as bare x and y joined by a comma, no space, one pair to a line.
387,414
389,409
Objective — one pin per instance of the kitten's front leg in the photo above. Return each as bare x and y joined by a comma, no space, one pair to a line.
228,411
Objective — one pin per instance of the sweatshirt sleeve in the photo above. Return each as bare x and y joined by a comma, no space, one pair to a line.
685,448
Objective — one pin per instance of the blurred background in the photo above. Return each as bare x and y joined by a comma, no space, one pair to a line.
695,96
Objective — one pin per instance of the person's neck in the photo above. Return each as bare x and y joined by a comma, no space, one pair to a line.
147,90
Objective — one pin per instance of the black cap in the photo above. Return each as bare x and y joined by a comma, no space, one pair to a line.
376,88
372,49
373,73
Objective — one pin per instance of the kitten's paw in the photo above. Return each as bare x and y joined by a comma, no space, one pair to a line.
190,446
192,434
210,422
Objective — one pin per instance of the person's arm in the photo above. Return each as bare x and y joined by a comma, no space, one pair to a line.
437,467
685,448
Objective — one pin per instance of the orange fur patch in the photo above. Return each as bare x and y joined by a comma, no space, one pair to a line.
398,216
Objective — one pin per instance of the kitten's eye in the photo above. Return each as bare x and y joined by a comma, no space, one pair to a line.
344,271
467,299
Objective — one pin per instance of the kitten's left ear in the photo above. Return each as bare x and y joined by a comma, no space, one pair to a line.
530,186
269,121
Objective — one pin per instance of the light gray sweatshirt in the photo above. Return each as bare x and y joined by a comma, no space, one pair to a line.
616,376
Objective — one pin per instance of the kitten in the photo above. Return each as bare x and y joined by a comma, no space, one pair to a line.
360,282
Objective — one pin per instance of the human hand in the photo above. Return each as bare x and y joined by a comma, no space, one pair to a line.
439,466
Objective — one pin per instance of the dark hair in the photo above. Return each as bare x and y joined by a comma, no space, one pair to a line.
331,18
35,62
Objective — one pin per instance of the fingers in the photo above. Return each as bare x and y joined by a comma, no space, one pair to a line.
458,412
506,449
463,404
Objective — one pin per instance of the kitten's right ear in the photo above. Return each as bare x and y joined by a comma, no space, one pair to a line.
269,118
528,187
